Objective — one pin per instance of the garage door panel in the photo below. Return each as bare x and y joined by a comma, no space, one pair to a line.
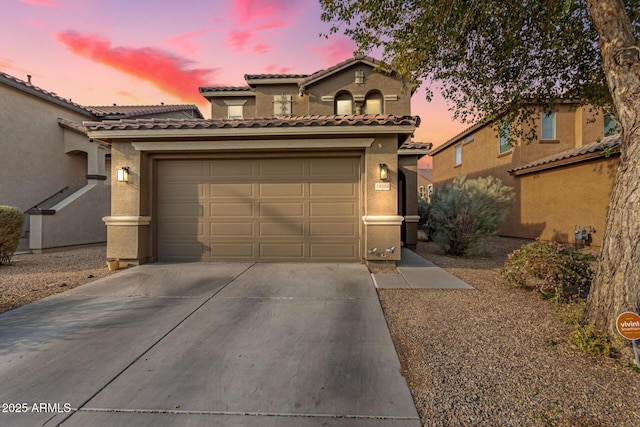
282,229
295,209
333,250
333,229
332,189
281,209
283,251
231,190
231,250
231,229
335,209
241,209
281,189
291,168
232,169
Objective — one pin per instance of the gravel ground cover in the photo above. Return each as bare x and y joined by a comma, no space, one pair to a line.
30,277
493,356
498,356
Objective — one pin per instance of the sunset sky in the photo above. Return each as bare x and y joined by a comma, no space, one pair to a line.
129,52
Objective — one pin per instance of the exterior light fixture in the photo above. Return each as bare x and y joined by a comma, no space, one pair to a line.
123,174
384,171
359,77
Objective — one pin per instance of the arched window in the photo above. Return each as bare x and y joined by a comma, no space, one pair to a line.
344,103
373,103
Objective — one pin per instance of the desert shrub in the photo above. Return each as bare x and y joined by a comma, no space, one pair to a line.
591,340
423,212
550,268
11,221
464,214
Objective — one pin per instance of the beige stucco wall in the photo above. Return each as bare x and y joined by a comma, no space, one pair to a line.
132,239
480,157
344,80
554,201
33,162
219,108
265,99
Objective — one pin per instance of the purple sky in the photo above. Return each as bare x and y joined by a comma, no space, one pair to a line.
100,52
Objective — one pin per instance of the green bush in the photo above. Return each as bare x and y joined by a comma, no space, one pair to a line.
591,340
464,214
551,268
11,221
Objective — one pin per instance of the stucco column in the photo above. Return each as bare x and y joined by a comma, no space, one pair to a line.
381,220
129,225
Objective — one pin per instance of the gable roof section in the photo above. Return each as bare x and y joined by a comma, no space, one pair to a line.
253,79
132,111
322,74
51,97
574,155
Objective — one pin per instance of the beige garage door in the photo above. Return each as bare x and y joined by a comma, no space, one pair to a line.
288,209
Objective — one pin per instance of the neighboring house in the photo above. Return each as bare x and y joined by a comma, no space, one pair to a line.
562,180
425,184
51,170
317,167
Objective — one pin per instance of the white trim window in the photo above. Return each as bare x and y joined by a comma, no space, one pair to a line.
548,122
504,145
458,155
235,109
282,105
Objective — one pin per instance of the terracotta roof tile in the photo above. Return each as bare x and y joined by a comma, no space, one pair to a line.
224,89
71,125
296,121
274,76
131,111
593,150
412,145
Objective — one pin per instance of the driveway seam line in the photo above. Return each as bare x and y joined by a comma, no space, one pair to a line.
79,408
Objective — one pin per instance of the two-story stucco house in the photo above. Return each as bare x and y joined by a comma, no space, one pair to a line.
563,179
51,170
295,167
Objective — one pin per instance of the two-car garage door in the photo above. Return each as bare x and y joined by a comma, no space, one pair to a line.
263,209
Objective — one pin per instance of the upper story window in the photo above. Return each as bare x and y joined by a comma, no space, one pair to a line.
548,126
421,192
373,103
235,109
344,103
505,146
458,155
610,125
282,105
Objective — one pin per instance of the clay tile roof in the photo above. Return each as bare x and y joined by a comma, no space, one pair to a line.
281,122
412,145
131,111
224,89
71,125
589,151
43,94
274,76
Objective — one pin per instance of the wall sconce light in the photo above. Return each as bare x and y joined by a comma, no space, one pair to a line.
359,77
123,174
384,171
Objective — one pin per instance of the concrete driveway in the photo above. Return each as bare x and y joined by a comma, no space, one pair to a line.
206,344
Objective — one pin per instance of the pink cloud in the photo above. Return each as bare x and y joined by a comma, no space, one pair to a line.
247,11
261,48
239,40
42,3
162,69
185,42
35,23
276,69
335,52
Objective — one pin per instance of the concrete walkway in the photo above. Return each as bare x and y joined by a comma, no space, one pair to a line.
200,344
418,273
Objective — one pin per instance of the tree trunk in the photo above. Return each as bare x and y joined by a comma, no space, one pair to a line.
616,287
